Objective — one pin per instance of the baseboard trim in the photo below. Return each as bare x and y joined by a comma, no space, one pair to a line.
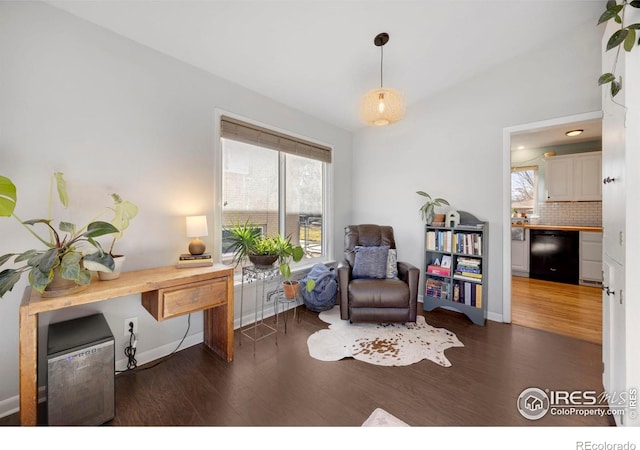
12,405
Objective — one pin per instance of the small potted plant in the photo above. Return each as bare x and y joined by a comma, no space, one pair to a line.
288,252
123,212
427,211
62,267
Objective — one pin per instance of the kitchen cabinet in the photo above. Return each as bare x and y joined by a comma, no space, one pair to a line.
590,258
575,177
520,251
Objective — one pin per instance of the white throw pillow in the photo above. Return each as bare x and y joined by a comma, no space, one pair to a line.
392,263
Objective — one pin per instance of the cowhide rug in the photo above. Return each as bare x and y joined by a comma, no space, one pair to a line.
381,418
384,344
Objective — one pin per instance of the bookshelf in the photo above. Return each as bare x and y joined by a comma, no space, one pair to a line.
455,270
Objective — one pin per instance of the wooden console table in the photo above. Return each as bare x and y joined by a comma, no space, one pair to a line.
165,292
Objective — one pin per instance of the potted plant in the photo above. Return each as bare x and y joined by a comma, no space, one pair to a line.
427,210
288,252
123,212
247,242
62,267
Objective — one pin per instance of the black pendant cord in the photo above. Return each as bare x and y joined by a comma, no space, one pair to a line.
381,59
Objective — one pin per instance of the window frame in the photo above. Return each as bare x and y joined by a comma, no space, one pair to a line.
536,171
327,192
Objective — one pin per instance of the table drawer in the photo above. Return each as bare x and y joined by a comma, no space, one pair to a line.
179,300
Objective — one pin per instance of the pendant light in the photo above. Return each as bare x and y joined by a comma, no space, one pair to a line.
382,106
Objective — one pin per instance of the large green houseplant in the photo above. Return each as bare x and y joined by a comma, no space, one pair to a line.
247,242
69,250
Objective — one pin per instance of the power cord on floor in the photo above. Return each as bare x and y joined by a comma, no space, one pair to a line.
130,350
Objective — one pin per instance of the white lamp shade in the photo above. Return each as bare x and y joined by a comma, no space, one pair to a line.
197,226
382,106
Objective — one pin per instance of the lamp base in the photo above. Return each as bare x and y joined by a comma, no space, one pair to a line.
196,247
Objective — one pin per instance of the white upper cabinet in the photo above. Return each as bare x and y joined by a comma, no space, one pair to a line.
574,177
587,177
558,174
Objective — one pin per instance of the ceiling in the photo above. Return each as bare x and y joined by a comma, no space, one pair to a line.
318,56
555,135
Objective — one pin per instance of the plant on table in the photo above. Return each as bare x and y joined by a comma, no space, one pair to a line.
68,249
123,212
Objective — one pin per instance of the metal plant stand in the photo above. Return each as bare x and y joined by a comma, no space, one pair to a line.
260,277
287,304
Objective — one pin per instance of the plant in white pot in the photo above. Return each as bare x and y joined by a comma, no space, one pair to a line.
62,267
123,212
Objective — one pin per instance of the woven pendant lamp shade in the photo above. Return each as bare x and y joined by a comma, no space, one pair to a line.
382,106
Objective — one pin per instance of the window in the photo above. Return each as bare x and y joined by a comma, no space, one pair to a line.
524,183
276,182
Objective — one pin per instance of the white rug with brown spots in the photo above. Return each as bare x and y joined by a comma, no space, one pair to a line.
383,344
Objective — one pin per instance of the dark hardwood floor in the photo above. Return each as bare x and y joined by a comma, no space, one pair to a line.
281,385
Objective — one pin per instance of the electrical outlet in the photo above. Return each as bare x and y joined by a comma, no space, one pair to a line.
128,321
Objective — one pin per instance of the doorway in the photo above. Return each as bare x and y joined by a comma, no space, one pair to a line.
572,310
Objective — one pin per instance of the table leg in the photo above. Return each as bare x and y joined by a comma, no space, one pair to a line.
218,326
28,364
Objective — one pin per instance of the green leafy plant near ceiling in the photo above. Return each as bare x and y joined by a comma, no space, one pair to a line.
623,37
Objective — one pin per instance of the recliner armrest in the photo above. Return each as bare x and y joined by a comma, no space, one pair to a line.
410,274
344,277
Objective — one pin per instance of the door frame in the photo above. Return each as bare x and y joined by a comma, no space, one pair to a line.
506,197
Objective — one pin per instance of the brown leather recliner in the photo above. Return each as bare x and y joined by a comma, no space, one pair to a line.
375,299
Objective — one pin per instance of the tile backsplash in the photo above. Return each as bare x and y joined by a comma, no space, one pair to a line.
570,213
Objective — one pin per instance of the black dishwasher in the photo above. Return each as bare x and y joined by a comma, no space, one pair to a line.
554,256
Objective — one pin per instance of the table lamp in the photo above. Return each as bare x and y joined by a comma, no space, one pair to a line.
197,228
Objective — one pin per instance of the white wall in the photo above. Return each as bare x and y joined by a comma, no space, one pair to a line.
115,116
451,145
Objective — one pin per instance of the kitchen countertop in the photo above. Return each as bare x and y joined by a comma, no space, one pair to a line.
556,227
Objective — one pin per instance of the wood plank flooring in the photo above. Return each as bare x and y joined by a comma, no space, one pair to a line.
281,385
566,309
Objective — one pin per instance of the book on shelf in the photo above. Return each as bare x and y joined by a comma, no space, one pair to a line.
438,270
470,274
437,288
190,257
468,293
439,240
468,243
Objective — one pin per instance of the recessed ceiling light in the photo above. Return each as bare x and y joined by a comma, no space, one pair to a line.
521,147
574,132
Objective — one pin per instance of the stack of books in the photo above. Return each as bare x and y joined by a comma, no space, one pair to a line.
469,268
188,260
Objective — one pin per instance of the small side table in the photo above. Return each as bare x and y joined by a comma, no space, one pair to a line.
286,303
260,276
